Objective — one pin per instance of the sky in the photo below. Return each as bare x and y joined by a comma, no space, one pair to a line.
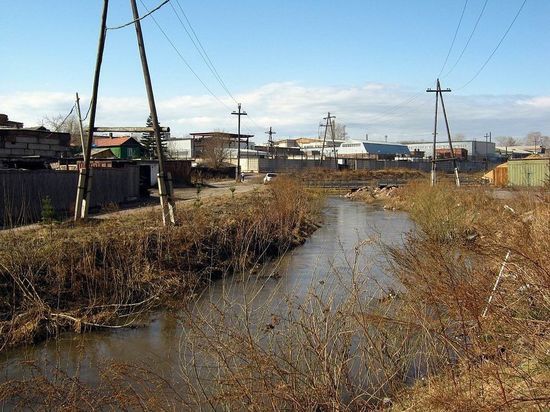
289,62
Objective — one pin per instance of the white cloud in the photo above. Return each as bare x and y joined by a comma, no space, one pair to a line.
296,110
540,102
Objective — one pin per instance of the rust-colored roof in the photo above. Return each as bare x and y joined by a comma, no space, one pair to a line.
111,141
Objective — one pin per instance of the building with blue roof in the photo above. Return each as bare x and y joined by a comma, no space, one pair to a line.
371,150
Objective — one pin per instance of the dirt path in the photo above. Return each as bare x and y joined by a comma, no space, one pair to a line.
189,194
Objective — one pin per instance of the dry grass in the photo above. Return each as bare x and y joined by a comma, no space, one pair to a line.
347,346
93,274
317,174
499,360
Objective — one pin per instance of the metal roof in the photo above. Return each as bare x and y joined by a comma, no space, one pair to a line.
112,141
386,148
220,134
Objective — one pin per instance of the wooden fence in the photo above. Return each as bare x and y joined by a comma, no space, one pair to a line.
23,192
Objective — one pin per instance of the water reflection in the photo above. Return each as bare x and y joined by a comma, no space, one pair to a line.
347,243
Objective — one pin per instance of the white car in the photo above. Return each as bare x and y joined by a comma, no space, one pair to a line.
269,177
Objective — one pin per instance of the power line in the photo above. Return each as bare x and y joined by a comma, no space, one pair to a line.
395,108
454,38
141,18
469,39
87,112
183,58
200,48
65,119
495,49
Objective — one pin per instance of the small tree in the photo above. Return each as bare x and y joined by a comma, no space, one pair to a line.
47,212
536,139
148,141
215,151
506,141
58,123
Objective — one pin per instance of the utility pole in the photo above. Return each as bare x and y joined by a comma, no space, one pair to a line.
328,123
164,180
270,141
333,133
439,95
238,113
78,204
85,175
487,151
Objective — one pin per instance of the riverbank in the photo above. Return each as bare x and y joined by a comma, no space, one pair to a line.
404,322
101,274
477,275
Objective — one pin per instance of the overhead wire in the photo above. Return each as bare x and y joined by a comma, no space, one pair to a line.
454,38
495,49
205,57
200,48
405,102
183,58
65,119
141,18
469,39
396,107
87,112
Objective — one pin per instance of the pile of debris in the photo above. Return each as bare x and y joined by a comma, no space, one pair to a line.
366,192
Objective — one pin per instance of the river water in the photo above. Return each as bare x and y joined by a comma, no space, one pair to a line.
348,242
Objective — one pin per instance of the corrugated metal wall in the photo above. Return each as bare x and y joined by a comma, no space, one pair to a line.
529,172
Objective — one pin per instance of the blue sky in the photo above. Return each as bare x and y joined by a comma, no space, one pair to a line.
288,62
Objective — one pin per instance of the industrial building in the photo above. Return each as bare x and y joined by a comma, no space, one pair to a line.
371,150
476,149
195,146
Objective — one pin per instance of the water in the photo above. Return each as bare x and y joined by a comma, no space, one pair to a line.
350,237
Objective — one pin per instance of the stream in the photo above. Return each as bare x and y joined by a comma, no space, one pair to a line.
349,238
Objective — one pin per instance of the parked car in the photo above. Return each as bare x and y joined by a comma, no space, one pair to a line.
269,177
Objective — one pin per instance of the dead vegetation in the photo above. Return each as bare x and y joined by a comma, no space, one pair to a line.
438,343
317,174
99,273
500,345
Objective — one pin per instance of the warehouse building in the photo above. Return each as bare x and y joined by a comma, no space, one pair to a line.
476,149
372,150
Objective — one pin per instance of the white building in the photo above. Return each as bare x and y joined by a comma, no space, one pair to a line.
366,149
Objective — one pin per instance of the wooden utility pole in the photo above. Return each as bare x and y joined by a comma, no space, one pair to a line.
334,151
238,113
487,135
79,189
164,180
270,140
85,175
328,122
439,95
